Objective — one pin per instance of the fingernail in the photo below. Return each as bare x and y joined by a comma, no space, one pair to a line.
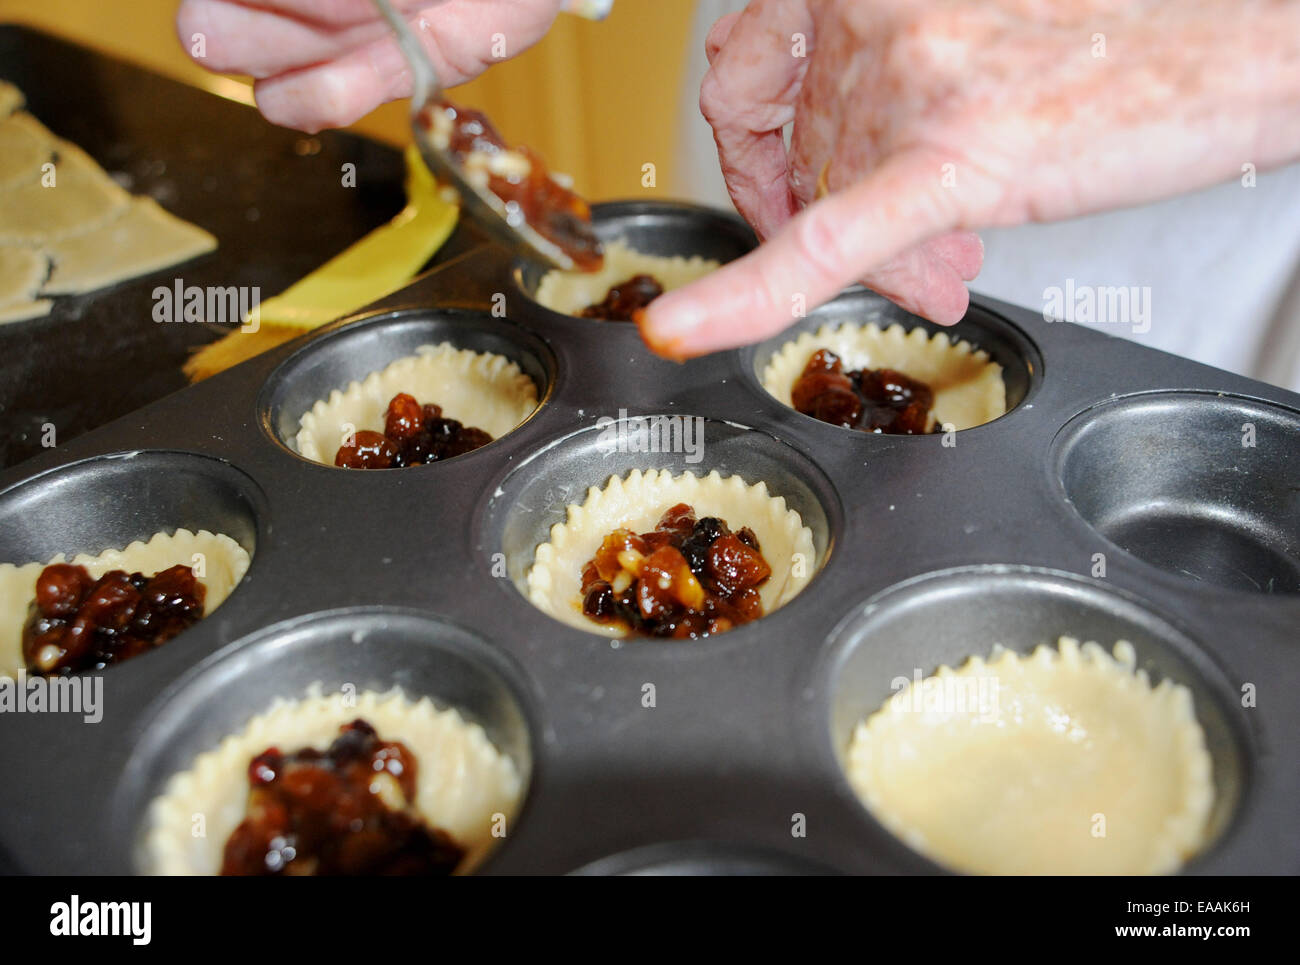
663,343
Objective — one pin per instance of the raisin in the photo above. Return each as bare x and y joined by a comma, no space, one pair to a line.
598,602
624,299
824,360
672,591
812,385
413,435
423,449
696,551
467,440
677,521
626,609
837,404
912,420
894,389
404,418
370,450
114,618
175,587
710,528
264,767
61,587
872,400
111,603
735,566
344,810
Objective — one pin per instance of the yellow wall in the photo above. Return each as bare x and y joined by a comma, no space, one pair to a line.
597,100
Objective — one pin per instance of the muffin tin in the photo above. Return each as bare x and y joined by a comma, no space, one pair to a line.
928,550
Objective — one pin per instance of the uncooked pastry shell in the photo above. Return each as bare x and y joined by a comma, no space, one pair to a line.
1019,784
569,292
967,385
463,780
224,562
479,389
636,502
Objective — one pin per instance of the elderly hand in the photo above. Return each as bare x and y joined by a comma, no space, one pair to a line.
927,118
325,63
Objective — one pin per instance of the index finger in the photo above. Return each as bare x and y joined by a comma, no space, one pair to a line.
820,251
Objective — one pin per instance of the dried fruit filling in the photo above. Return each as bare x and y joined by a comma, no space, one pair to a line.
688,578
78,623
519,178
626,298
347,810
413,435
871,400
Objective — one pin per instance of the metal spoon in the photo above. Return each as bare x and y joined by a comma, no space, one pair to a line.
506,224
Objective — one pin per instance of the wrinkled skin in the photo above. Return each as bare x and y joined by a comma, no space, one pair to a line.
928,118
1010,93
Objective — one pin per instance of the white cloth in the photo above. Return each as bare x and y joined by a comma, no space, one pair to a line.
1218,270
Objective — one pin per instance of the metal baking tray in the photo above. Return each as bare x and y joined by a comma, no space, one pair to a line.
926,553
275,199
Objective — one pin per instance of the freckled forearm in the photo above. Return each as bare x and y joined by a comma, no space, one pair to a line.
1229,69
1281,87
1258,56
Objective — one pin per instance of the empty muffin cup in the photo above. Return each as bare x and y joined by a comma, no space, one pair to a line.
1200,485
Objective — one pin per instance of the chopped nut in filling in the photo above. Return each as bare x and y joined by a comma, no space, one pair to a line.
519,178
687,578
